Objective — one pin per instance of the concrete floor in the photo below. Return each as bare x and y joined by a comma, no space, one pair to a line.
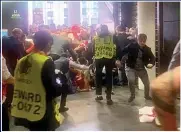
86,114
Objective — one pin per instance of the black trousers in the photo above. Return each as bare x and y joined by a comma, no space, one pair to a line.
59,66
5,117
100,63
63,100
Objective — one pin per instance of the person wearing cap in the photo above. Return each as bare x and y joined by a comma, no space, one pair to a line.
36,87
104,51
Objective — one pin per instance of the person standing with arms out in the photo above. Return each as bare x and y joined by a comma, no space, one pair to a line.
139,57
36,88
104,51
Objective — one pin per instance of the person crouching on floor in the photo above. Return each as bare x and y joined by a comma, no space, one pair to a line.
36,89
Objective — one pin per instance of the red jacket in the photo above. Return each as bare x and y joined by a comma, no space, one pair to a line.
4,91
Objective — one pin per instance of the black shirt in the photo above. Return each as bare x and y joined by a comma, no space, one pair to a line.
12,51
132,51
121,41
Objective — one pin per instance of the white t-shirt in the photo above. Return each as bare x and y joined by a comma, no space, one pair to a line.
5,72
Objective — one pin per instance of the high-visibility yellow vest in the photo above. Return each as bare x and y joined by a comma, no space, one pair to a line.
104,47
29,98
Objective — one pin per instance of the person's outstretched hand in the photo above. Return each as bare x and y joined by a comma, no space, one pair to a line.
149,66
118,63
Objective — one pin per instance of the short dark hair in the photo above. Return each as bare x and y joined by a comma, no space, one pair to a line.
121,28
142,37
104,28
41,39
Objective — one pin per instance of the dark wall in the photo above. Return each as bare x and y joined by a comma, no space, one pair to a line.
7,11
126,13
169,31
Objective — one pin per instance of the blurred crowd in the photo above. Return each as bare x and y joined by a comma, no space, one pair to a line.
74,59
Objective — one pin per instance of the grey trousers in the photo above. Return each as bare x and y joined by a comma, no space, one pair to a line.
143,75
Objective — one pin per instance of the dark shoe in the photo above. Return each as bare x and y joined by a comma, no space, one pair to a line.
148,98
131,99
109,102
64,109
99,98
112,93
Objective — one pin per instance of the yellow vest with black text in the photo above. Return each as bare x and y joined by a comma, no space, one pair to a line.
29,97
104,47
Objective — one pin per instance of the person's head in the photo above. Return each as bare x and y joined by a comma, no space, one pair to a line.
132,31
120,29
43,41
103,30
142,39
23,38
17,33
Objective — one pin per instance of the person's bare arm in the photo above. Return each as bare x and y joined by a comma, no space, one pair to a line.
164,92
6,76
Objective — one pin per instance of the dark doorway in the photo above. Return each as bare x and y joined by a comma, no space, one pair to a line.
169,13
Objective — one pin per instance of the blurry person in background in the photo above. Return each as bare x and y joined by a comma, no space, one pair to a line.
12,49
139,57
59,27
6,79
35,77
127,31
53,27
175,61
27,44
60,48
165,89
103,41
121,41
58,53
132,34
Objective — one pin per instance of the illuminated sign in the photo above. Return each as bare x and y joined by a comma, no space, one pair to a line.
4,32
15,15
